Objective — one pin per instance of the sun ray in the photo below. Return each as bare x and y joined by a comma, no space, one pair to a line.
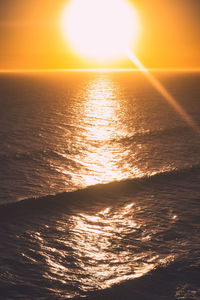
162,90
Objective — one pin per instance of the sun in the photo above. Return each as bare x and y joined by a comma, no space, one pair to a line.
99,30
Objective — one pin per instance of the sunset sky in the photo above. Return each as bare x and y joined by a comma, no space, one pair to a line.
31,35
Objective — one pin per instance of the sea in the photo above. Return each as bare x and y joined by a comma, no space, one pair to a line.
99,186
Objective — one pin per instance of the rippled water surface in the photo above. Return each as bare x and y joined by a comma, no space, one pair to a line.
138,226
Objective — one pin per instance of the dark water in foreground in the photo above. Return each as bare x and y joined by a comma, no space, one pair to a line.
135,234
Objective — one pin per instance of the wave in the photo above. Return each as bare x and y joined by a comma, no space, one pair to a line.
162,132
100,193
27,155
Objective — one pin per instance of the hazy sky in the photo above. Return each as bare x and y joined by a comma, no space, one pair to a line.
31,36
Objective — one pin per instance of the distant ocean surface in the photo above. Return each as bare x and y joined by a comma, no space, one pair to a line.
99,187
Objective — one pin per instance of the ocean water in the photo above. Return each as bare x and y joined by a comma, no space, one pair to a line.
99,186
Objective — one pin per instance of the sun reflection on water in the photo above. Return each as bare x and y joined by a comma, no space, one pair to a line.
101,118
96,249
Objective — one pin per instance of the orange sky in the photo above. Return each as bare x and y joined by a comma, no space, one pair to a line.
30,35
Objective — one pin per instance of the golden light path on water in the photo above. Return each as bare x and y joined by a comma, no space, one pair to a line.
100,116
160,88
108,241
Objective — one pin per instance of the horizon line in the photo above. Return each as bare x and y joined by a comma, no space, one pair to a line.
7,71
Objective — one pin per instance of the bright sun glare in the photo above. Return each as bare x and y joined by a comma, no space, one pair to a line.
100,30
